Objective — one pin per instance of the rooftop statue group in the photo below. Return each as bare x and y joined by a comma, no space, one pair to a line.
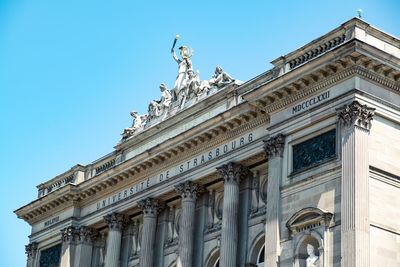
187,86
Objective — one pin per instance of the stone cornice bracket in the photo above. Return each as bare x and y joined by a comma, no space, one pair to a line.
115,221
356,114
88,234
69,234
274,146
151,206
189,190
31,249
233,172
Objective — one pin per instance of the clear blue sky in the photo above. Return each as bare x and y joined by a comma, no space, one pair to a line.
71,71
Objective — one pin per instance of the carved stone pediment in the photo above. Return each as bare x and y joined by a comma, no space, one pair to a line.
307,219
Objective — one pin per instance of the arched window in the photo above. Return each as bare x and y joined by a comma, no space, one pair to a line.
216,263
260,257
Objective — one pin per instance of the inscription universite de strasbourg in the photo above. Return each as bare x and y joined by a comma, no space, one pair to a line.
310,102
178,169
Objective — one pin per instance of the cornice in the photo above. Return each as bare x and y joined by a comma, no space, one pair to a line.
232,123
327,76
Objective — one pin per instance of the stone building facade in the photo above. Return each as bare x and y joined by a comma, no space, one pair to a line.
296,167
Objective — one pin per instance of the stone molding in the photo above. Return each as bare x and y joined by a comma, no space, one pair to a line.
232,172
356,114
31,249
307,219
115,221
189,190
151,206
274,146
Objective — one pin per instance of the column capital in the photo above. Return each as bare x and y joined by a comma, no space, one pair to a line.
151,206
70,234
88,234
115,221
232,172
274,146
189,190
356,114
31,249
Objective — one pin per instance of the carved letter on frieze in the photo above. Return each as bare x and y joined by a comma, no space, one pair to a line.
189,189
232,172
274,146
116,221
151,206
356,114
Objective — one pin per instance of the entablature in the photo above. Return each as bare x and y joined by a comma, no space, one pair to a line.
237,120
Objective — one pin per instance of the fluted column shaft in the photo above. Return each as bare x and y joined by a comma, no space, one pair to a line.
274,148
69,237
116,223
151,207
189,192
355,120
83,254
231,173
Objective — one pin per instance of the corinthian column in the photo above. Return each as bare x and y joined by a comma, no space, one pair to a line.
69,237
31,250
355,120
83,254
231,173
151,207
189,192
116,222
274,150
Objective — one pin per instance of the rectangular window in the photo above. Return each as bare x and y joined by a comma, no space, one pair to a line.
314,151
50,257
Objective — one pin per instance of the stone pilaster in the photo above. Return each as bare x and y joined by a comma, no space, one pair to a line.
69,237
189,192
31,252
116,222
84,247
151,208
232,174
355,121
274,148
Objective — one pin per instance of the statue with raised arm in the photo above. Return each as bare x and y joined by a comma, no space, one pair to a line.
184,65
312,260
220,78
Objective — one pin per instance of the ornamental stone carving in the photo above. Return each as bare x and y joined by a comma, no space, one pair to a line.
187,90
70,234
151,206
87,234
356,114
189,189
274,146
115,221
138,123
31,249
232,172
312,260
